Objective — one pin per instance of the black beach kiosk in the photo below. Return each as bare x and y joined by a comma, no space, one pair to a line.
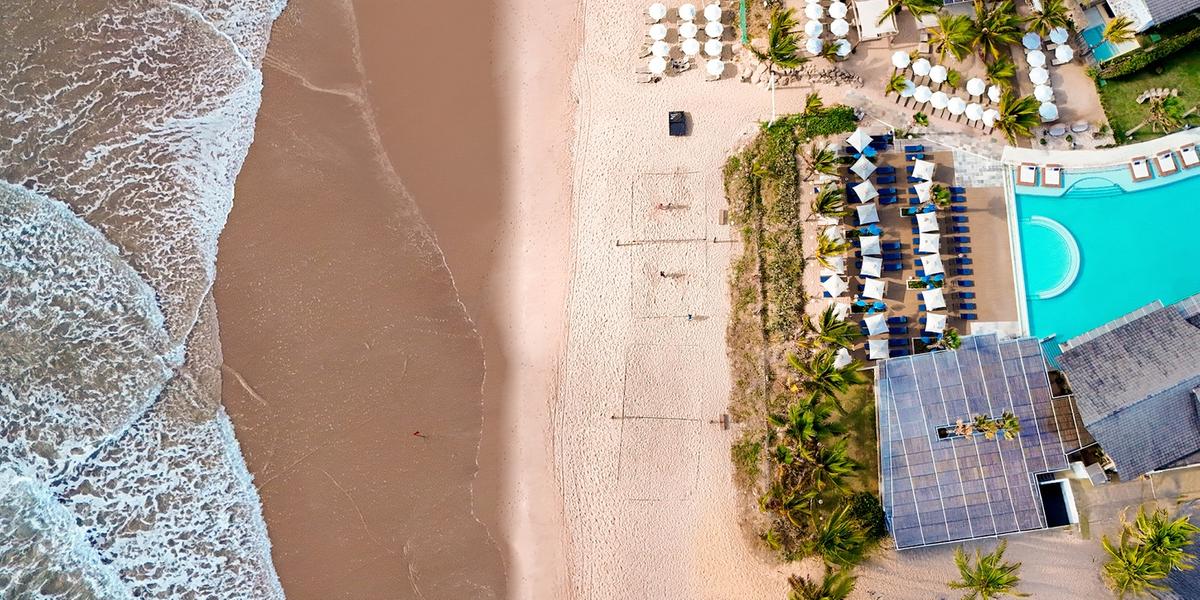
677,122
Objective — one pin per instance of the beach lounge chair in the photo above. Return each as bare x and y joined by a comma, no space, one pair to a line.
858,264
929,340
962,239
961,282
912,179
898,342
920,272
1189,156
967,295
962,249
959,219
921,307
885,179
890,246
1027,174
956,199
1140,169
897,320
886,170
911,157
892,267
914,200
1052,176
968,316
898,352
917,148
888,200
1166,163
954,189
962,260
967,306
901,330
967,272
958,209
960,229
916,230
891,191
923,320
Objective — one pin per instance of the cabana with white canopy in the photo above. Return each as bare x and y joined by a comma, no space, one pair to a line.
837,264
932,264
877,349
867,214
933,299
859,139
935,323
876,324
870,13
924,190
835,285
832,232
923,169
863,167
930,243
927,222
874,289
870,245
842,358
872,266
865,191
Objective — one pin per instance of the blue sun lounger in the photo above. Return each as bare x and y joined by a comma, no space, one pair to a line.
967,295
966,272
893,267
921,307
962,249
914,157
914,200
958,209
962,260
888,200
959,219
960,229
892,255
885,170
969,316
898,352
901,330
890,245
954,189
958,199
885,179
923,320
897,320
898,343
967,306
962,239
916,148
961,283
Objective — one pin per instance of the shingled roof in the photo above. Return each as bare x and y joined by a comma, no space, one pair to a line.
1135,385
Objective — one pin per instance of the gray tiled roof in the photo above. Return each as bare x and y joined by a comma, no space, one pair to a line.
1133,385
1185,585
1165,10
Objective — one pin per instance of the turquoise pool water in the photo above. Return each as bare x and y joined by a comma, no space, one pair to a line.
1102,51
1098,252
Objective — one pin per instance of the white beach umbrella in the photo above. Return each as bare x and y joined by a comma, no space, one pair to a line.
939,100
865,191
1039,75
863,167
932,263
874,289
1048,111
976,86
715,67
876,324
657,11
836,286
839,27
927,222
691,46
859,139
870,245
957,106
814,45
841,310
1043,93
712,12
687,12
714,29
1064,53
938,73
837,10
909,89
934,323
843,47
1031,41
1036,58
924,190
842,358
923,169
901,59
658,65
934,299
872,266
974,111
658,31
688,29
877,349
867,213
921,67
813,28
660,48
1059,35
989,117
994,93
922,94
930,243
713,48
814,11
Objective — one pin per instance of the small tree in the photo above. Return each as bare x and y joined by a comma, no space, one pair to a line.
1118,30
1001,72
997,26
895,85
830,201
813,103
838,539
819,160
940,195
1054,13
950,339
921,119
835,585
1166,113
953,79
828,248
989,577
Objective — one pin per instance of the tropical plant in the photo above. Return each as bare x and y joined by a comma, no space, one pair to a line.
785,502
1009,425
806,423
953,79
819,160
988,578
783,43
828,248
835,585
1053,14
839,539
940,195
1118,30
915,8
830,330
895,85
1166,113
1001,72
996,27
1131,568
830,201
831,465
950,339
1018,116
953,35
921,119
1165,538
813,103
821,376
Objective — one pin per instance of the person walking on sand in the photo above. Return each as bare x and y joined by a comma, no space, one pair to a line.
662,274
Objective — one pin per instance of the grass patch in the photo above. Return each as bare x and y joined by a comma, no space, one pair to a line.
747,457
1119,96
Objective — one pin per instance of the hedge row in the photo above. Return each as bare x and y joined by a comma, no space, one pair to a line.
1135,61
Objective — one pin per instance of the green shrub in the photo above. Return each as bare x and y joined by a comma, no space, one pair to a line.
745,455
867,512
1135,61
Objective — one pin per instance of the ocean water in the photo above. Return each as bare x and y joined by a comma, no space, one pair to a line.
123,126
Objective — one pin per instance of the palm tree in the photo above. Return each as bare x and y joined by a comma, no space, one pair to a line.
830,202
990,577
996,27
1166,113
1053,14
839,539
832,331
1131,569
895,85
1009,425
921,119
813,103
953,34
822,377
1118,30
831,465
1018,116
835,585
915,8
785,502
820,160
806,423
950,339
1001,72
1164,538
783,47
940,195
827,248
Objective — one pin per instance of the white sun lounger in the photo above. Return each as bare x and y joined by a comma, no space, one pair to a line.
1166,163
1188,154
1139,168
1027,174
1052,176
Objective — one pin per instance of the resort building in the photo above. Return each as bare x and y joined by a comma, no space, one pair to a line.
942,483
1148,13
1136,383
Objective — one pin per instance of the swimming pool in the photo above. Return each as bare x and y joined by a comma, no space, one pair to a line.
1094,37
1105,247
